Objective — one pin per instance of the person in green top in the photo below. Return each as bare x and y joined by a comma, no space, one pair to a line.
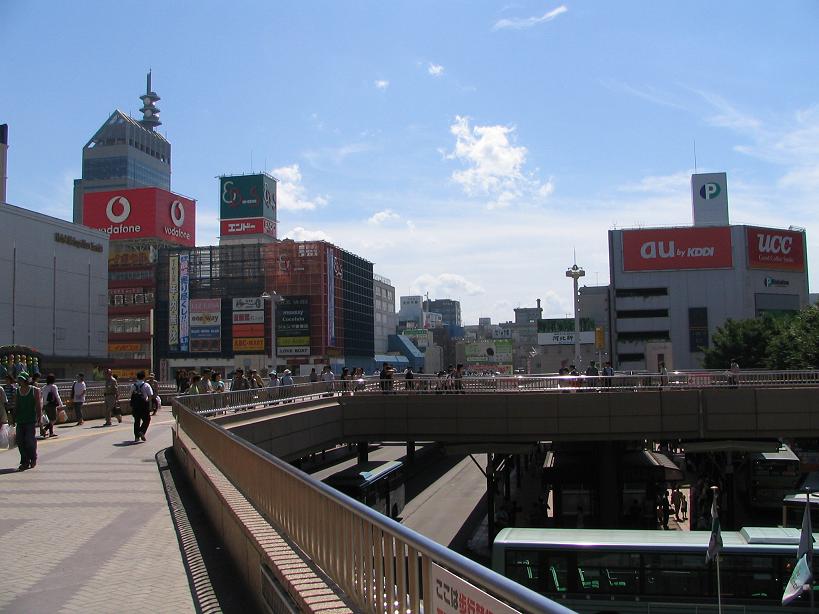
28,414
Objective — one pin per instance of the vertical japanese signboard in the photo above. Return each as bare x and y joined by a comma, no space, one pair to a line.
293,326
331,299
248,325
184,303
173,302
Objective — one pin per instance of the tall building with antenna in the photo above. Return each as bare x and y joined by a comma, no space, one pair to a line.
125,153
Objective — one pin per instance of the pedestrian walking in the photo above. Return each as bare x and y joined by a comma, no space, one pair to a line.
155,400
10,389
328,377
239,381
663,375
141,394
111,398
77,397
29,414
53,401
287,383
733,373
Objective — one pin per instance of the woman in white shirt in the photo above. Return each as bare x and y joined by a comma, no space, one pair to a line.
77,397
51,401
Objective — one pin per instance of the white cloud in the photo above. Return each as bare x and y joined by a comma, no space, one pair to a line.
381,217
445,285
524,23
660,184
302,234
495,165
646,92
292,195
382,84
436,70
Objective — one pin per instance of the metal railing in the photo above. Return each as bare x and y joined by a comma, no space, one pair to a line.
379,564
430,384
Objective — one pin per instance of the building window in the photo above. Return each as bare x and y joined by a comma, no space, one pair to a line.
644,335
640,292
697,329
642,313
635,357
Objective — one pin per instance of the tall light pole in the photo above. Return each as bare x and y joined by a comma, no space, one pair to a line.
274,298
576,273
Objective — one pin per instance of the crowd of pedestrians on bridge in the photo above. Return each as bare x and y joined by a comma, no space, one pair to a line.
26,407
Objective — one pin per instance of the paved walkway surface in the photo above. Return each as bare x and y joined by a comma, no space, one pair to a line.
89,529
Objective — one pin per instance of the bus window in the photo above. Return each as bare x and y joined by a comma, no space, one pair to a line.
609,572
684,575
542,571
749,577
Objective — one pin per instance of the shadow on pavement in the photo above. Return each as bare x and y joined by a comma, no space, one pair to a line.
215,584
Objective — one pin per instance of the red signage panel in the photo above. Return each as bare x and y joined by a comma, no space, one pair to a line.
668,249
769,248
248,226
141,213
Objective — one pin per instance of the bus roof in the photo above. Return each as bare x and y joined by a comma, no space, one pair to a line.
784,454
763,538
363,473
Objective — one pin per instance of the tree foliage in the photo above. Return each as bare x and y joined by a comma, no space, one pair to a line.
790,342
747,341
797,344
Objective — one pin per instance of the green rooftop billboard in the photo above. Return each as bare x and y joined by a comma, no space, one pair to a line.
247,196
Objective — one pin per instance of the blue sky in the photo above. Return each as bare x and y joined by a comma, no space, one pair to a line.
466,148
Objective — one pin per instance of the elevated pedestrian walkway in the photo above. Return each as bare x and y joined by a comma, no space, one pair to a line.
105,525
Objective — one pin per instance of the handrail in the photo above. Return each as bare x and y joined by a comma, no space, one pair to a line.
368,555
238,400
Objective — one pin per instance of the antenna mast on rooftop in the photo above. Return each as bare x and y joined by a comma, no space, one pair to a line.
150,112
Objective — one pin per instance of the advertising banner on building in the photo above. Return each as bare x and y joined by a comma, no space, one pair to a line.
670,249
141,213
248,304
247,196
293,326
253,345
248,317
248,330
184,303
564,338
205,325
780,250
492,353
454,595
247,226
173,302
331,299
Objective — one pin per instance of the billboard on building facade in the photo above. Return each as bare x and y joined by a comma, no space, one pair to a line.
293,326
248,325
247,226
247,196
781,250
173,302
489,352
205,325
668,249
709,199
184,303
142,213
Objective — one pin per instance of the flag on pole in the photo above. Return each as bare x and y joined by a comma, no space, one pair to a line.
803,570
715,543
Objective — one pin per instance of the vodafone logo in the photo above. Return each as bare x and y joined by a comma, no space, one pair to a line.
177,213
774,244
125,209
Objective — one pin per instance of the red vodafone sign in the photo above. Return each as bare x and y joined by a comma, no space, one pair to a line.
667,249
141,213
248,226
769,248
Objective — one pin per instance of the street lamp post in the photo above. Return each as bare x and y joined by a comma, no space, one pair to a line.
576,273
274,298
